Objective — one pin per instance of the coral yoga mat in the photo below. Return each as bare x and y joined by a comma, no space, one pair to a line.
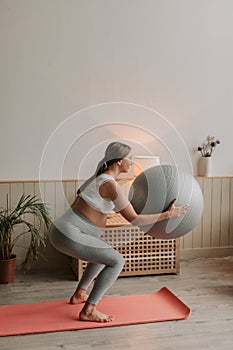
55,316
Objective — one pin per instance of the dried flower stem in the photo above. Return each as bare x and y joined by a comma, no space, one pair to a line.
207,148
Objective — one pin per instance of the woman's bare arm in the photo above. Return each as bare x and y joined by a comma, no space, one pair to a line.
114,192
147,219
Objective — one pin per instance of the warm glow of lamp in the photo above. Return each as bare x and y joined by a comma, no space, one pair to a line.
142,163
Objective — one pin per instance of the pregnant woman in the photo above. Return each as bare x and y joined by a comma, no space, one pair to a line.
77,232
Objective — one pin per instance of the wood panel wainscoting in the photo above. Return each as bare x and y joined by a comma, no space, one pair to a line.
212,237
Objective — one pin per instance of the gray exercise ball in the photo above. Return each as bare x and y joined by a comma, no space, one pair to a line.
154,189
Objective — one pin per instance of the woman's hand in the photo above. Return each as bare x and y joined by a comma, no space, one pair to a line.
175,212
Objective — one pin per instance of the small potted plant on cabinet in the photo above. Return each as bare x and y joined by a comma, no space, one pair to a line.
27,206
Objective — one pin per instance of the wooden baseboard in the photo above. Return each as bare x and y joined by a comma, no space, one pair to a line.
188,254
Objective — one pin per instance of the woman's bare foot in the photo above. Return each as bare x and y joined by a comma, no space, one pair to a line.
79,296
89,313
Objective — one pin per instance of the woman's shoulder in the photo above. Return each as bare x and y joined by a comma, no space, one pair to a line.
105,177
107,187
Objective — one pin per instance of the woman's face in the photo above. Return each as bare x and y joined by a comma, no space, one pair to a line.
126,164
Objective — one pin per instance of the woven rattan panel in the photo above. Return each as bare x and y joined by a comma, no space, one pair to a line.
143,254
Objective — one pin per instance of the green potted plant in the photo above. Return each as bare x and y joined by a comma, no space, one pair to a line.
27,207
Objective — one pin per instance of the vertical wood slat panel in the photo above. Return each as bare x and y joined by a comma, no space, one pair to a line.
29,188
197,232
231,214
225,212
216,209
4,191
59,198
50,198
187,240
181,242
39,191
70,190
207,213
16,190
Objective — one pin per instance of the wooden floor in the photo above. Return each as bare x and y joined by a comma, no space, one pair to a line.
205,285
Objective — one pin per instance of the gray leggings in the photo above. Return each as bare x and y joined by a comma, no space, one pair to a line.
74,235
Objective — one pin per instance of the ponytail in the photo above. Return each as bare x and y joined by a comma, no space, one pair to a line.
114,152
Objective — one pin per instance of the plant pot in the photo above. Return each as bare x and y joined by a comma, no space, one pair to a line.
7,269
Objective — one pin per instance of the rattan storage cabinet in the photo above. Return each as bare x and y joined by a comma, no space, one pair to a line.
143,254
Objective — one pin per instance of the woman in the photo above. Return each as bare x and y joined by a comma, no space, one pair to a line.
77,232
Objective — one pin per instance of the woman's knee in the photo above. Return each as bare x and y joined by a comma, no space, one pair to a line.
119,260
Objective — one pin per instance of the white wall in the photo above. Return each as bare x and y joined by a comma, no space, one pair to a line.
61,56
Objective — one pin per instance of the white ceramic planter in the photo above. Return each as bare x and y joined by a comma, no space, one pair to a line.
205,166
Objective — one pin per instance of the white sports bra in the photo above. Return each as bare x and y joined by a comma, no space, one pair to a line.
92,196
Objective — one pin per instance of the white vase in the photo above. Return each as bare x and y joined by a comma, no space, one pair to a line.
205,166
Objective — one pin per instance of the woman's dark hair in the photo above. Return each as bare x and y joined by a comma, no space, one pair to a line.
114,152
